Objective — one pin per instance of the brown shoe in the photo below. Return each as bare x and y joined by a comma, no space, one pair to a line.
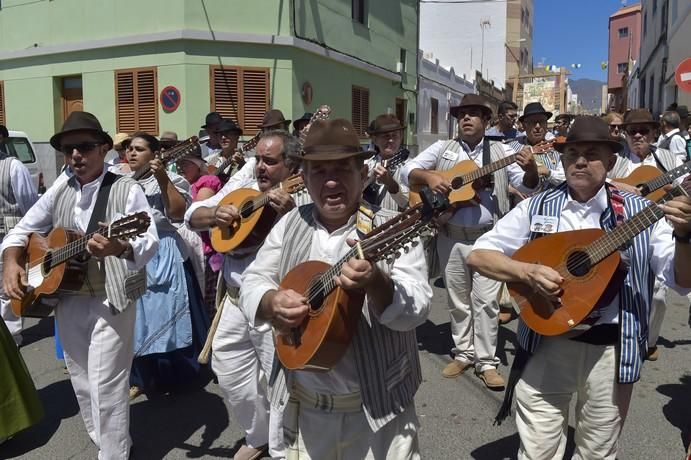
653,354
492,379
454,369
246,452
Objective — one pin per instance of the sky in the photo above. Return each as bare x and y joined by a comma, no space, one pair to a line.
569,32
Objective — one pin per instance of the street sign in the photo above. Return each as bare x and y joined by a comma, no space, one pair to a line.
683,75
170,99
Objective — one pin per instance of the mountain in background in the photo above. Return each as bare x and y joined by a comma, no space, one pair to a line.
589,93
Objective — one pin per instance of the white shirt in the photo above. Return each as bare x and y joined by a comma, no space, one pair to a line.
471,215
677,145
513,231
40,219
23,187
410,306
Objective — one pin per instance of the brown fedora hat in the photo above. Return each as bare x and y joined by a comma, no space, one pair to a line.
472,100
385,123
273,117
333,140
81,121
589,129
639,117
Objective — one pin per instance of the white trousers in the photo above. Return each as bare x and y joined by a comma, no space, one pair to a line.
14,323
242,358
348,436
473,306
658,308
98,348
559,369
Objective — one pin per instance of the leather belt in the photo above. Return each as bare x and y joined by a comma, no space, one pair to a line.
456,232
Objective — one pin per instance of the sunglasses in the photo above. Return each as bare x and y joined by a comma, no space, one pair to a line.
82,147
642,130
614,127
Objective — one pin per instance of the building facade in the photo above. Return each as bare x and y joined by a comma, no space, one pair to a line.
359,57
439,89
679,48
624,50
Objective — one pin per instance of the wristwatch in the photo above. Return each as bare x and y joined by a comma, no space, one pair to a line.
682,239
127,253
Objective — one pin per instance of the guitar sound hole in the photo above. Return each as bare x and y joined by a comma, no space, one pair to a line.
457,182
47,263
246,210
317,300
578,263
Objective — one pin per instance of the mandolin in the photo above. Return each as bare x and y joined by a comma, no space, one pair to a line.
235,160
49,268
649,180
324,335
171,155
390,164
589,262
256,218
464,174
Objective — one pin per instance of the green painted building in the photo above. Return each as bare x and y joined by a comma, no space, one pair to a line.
114,58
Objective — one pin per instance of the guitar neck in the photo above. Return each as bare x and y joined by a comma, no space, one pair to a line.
489,169
72,249
666,178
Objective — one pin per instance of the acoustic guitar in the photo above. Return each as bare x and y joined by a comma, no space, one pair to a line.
256,218
464,174
171,155
49,266
588,260
650,180
324,335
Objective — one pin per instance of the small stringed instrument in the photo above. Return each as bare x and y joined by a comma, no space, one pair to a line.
234,160
390,164
588,260
649,180
171,155
466,172
49,270
256,218
324,335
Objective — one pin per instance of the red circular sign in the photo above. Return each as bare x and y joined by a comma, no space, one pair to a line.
170,99
683,75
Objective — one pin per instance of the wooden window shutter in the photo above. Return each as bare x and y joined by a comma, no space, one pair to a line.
136,100
241,94
2,104
360,110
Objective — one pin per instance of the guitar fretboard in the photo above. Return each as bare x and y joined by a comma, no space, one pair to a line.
668,177
488,169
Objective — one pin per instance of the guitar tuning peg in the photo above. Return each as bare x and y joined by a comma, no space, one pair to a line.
406,249
414,243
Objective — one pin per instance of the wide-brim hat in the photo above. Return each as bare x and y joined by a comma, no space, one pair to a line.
273,117
534,108
333,140
213,118
228,125
589,129
472,100
639,117
81,121
385,123
192,158
306,118
119,138
564,116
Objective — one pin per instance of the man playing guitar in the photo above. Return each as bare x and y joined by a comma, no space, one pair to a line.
601,363
472,297
96,322
241,352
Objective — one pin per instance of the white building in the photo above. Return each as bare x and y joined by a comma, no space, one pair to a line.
439,88
679,48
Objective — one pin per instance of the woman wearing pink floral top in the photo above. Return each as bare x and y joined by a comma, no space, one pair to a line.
192,167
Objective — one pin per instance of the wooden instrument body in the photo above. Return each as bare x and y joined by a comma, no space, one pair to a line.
640,176
462,192
326,332
252,228
66,276
581,292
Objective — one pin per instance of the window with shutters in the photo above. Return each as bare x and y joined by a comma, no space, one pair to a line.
360,110
136,101
2,104
241,94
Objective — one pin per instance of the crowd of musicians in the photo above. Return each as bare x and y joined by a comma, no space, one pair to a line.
153,304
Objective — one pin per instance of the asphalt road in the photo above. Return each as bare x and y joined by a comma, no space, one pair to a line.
456,414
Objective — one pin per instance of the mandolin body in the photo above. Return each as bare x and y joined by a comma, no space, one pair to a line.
326,332
253,227
581,291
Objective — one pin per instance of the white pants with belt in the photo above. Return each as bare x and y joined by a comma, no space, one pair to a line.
98,353
473,305
241,359
14,323
559,369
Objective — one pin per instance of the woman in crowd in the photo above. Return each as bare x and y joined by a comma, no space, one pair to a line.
171,322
